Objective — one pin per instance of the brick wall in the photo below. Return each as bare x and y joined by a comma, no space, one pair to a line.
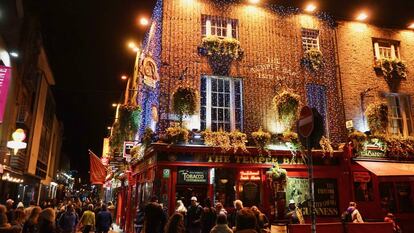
356,59
272,53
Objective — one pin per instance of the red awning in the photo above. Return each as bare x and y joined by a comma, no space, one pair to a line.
388,169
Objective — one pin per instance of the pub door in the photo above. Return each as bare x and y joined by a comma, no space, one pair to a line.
185,192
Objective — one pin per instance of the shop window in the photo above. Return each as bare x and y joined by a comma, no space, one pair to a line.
310,39
386,49
363,187
219,26
316,98
396,197
221,103
399,115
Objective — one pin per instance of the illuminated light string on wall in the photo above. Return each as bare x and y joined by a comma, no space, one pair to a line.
293,76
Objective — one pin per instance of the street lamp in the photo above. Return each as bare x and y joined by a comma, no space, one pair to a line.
411,26
310,8
144,21
362,16
124,77
254,1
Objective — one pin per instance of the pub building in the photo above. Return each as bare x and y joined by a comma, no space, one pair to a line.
261,52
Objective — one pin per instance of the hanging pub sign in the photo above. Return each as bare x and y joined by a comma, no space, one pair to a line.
192,175
150,72
127,150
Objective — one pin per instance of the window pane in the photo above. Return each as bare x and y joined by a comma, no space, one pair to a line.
220,85
227,86
213,114
220,99
220,114
237,86
203,125
213,127
203,100
388,203
203,85
214,84
227,115
227,100
405,199
203,113
213,99
238,115
227,127
237,101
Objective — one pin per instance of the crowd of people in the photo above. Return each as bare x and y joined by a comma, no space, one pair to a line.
65,217
153,218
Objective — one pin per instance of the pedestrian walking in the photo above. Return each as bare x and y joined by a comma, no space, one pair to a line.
10,210
208,217
245,221
139,219
68,220
352,214
175,224
294,214
103,220
261,220
221,225
47,221
87,221
181,208
220,209
390,218
238,205
155,218
31,224
194,212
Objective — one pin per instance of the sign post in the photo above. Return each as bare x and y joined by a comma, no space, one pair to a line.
305,127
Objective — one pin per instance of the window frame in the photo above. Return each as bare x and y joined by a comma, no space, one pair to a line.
381,45
208,106
305,32
404,108
231,29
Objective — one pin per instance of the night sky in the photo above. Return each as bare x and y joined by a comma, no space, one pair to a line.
86,42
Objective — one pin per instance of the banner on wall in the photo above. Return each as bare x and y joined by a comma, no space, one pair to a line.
5,75
149,70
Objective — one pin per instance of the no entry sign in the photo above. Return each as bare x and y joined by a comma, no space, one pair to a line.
306,122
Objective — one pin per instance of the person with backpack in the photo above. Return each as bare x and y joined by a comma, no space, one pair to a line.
352,214
68,220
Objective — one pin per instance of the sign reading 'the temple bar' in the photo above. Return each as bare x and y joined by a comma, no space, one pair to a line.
185,176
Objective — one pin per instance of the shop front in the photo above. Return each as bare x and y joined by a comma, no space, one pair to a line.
180,172
383,187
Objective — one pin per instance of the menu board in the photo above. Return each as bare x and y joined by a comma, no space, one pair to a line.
326,195
192,175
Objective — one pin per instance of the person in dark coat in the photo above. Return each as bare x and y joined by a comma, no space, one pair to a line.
208,217
47,221
68,220
154,217
103,220
194,212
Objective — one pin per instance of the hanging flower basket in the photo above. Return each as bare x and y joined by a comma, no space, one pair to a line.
313,60
377,117
176,135
220,52
286,104
261,138
391,68
126,127
184,102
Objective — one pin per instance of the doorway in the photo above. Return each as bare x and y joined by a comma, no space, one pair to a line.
185,192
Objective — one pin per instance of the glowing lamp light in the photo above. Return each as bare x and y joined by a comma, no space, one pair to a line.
362,16
144,21
411,26
131,45
17,143
124,77
310,8
254,1
14,54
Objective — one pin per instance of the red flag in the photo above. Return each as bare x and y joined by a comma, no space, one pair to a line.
97,171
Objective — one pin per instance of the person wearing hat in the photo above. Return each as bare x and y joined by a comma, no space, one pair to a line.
390,218
294,214
194,212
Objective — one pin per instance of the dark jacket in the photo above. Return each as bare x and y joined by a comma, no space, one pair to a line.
67,221
30,227
155,218
194,216
208,219
47,227
103,221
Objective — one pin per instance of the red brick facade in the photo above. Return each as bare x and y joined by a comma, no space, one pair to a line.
356,59
272,45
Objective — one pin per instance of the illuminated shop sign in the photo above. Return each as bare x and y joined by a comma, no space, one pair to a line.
250,175
199,176
10,178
